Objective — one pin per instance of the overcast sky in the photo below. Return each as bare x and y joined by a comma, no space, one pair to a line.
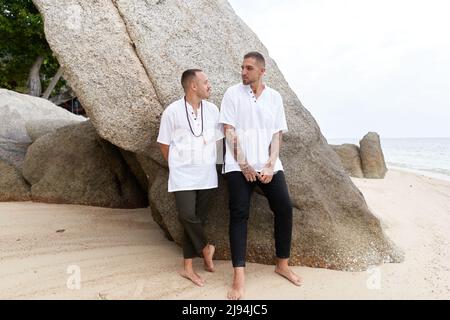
362,65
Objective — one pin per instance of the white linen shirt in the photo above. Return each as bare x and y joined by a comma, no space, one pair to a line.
192,160
255,121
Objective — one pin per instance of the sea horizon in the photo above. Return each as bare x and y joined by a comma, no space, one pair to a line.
424,155
390,138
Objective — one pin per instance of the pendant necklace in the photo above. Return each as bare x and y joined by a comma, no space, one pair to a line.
189,122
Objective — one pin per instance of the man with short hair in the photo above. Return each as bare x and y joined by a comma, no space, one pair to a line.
254,120
187,137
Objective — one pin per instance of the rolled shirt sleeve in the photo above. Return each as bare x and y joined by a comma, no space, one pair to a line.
219,131
165,129
280,120
227,110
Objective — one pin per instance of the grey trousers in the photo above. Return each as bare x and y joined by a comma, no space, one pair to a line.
192,209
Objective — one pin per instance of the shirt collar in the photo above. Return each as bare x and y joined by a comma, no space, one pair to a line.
189,107
248,89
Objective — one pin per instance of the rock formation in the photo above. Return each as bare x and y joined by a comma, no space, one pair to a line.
12,185
74,165
372,158
350,158
23,119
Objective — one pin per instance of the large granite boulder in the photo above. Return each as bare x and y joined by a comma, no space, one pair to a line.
91,42
124,60
24,118
372,158
12,185
350,158
74,165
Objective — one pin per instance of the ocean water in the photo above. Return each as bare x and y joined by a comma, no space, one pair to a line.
427,156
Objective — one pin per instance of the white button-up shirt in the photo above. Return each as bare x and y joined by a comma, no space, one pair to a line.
192,160
255,121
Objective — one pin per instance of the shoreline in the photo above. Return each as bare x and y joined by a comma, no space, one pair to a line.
123,254
429,174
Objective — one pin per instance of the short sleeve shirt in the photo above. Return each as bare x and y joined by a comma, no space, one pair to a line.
192,154
255,121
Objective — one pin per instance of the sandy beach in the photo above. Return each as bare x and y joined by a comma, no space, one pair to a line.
122,254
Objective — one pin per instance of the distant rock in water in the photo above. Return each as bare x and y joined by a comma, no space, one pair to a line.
124,60
366,161
372,158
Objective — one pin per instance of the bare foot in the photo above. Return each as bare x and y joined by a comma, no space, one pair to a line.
237,290
236,293
288,274
194,277
208,258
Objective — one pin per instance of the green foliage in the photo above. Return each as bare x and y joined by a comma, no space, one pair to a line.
22,40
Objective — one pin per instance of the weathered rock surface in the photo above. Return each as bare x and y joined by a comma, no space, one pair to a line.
91,42
12,185
372,158
350,158
23,118
74,165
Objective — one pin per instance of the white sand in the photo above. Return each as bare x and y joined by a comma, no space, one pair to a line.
122,254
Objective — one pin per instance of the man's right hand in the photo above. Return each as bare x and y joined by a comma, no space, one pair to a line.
249,173
164,150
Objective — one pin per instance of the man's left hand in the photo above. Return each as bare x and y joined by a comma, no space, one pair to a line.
266,174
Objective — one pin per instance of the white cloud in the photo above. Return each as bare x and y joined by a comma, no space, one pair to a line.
362,65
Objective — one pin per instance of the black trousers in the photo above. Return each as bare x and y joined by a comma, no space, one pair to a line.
277,194
192,208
